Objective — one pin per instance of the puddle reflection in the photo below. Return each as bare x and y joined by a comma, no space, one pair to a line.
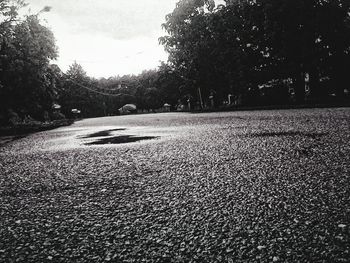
101,133
121,139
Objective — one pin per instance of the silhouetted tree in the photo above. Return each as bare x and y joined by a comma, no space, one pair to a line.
27,47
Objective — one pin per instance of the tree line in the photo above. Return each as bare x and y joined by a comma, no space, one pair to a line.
243,52
149,90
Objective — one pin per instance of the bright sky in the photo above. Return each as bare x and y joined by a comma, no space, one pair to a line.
107,37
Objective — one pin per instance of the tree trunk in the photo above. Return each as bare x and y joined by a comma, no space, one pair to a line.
314,83
299,87
339,75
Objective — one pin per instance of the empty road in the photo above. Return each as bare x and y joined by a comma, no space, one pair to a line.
249,186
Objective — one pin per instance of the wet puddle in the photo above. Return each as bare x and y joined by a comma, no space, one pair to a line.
4,140
109,137
121,139
101,133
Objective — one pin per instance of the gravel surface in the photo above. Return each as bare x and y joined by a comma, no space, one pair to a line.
269,186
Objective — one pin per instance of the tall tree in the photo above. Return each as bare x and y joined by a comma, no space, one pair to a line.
26,53
186,43
73,94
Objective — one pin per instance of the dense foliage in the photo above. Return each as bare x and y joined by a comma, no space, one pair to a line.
243,52
248,47
149,90
27,79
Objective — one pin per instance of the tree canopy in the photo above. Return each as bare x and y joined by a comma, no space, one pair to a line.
27,81
237,47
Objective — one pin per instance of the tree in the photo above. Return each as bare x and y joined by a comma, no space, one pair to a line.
237,47
9,15
27,48
187,43
305,37
168,83
73,95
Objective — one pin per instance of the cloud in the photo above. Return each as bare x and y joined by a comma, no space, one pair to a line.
104,56
120,19
107,37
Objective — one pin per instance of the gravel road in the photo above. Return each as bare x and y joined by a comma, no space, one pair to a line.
259,186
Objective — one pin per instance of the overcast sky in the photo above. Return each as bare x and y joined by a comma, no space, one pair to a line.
107,37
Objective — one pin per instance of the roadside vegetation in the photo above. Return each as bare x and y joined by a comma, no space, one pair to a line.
242,53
